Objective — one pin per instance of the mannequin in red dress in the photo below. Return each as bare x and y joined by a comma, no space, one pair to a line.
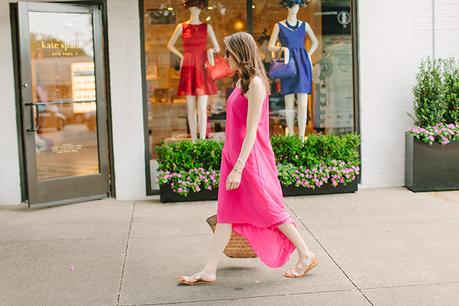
193,79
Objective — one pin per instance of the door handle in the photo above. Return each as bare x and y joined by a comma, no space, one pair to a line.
37,117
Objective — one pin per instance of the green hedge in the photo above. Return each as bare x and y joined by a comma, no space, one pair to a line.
186,155
315,149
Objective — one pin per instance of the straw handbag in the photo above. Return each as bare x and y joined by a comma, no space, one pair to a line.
238,246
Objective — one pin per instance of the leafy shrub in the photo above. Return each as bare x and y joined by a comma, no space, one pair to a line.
315,149
185,155
429,105
189,166
451,90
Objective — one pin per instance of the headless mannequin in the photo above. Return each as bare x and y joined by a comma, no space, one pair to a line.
191,100
302,98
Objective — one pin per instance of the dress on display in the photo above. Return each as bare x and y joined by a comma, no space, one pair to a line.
256,207
294,40
193,77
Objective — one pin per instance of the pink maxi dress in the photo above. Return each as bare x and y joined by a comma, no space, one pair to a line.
256,207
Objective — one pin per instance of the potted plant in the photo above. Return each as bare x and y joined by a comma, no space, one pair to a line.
432,146
321,164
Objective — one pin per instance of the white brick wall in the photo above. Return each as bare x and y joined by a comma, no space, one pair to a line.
447,28
10,186
126,99
394,36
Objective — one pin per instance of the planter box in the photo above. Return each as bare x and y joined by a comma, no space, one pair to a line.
431,167
326,188
168,195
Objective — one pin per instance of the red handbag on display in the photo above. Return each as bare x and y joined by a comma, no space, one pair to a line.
220,70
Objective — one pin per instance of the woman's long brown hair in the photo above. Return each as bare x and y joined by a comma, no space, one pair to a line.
244,51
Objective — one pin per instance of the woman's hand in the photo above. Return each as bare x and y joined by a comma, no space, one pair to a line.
233,180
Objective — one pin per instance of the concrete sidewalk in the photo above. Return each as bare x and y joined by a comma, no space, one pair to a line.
385,246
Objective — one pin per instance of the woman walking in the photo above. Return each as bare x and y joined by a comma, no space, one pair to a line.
250,199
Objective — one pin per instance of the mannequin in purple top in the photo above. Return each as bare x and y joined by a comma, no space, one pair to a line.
291,33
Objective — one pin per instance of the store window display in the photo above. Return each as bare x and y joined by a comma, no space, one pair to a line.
194,83
179,36
326,103
180,108
291,33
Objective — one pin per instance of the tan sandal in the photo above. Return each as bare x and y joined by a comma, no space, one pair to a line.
293,274
182,279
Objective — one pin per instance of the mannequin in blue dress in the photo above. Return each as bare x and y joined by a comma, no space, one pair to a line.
292,35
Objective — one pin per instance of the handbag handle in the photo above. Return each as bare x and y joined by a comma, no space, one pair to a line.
211,57
286,55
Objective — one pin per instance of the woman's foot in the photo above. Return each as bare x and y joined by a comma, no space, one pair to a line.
200,277
302,267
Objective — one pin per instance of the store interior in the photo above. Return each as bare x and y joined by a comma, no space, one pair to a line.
330,105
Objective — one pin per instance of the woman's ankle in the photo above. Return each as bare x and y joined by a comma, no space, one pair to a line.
307,256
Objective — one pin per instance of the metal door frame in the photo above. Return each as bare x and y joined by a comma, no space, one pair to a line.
88,186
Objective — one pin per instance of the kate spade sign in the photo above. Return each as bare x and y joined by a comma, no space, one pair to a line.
55,48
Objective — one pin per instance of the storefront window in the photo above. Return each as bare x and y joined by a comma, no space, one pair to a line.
178,95
174,99
330,105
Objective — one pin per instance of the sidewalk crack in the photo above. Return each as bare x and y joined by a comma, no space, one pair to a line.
125,254
329,255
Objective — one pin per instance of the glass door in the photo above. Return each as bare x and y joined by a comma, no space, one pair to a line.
63,102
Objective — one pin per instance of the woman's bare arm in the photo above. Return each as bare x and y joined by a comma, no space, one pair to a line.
255,95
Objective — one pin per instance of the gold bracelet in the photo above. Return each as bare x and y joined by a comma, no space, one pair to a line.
243,165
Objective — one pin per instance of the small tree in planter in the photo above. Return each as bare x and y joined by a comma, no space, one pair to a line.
432,146
451,91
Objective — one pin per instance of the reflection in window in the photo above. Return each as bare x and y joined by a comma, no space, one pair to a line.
64,87
174,98
330,102
330,105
